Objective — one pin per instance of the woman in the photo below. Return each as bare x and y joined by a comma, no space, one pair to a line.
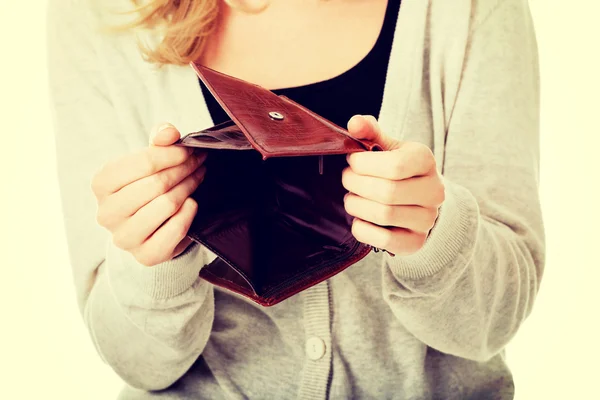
448,88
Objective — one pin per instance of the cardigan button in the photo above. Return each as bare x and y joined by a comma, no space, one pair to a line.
315,348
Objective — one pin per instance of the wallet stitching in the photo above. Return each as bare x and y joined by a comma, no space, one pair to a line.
275,293
305,273
273,289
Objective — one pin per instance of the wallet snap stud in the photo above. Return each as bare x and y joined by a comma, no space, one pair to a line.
276,116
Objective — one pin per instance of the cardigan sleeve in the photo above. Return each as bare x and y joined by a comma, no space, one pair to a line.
126,307
467,291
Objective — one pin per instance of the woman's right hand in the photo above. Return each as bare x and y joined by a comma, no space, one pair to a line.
143,198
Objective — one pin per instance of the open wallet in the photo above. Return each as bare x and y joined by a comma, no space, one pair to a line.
271,205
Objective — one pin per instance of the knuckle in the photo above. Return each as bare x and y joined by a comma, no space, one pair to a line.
180,154
146,259
420,155
119,240
180,230
97,181
398,167
441,184
442,194
387,197
426,157
162,182
102,217
385,214
424,152
95,185
170,203
388,193
151,160
192,205
439,196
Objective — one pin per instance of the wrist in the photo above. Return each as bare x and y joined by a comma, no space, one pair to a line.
450,240
137,284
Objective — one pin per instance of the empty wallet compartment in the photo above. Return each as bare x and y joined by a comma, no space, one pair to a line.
277,226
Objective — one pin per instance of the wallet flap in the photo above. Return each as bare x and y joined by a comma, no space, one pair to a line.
274,125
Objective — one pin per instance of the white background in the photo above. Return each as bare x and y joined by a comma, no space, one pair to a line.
44,349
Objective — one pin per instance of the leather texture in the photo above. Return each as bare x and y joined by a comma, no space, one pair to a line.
271,205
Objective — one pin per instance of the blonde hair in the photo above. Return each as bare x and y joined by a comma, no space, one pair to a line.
185,26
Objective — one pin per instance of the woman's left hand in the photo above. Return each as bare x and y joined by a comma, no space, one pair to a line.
394,194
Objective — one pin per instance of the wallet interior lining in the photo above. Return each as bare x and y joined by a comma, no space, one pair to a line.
225,136
271,221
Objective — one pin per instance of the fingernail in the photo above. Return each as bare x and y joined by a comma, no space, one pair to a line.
159,129
351,121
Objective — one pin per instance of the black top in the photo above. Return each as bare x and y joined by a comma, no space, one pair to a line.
359,90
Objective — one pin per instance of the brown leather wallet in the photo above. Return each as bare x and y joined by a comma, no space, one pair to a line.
271,204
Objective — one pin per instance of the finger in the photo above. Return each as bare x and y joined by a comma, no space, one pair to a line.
366,127
408,160
163,244
424,191
183,245
137,229
164,134
127,201
414,218
398,241
121,172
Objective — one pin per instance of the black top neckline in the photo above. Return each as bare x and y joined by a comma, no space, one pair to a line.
379,49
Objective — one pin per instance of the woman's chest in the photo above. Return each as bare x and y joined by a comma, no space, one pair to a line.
294,43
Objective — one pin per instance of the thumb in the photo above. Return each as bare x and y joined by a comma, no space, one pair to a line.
366,127
164,134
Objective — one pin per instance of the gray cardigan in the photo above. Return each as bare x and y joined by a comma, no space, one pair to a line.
463,79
